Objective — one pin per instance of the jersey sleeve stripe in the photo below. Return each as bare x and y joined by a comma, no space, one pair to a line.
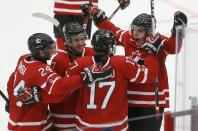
120,38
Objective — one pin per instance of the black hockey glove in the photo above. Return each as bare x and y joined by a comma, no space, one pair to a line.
7,107
28,95
152,44
96,13
179,19
85,11
124,3
95,73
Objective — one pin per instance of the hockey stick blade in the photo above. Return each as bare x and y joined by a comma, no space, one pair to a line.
47,17
53,21
56,23
4,97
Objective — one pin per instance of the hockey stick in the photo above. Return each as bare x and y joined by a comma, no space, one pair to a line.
152,17
4,96
114,12
53,21
86,19
156,81
57,25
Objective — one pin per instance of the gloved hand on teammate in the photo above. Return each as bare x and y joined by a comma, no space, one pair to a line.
28,95
95,73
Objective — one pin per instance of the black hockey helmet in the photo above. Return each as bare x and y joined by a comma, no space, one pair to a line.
142,21
72,30
103,42
41,46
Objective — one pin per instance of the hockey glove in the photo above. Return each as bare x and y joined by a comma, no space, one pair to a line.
7,107
28,95
95,73
97,14
152,44
124,3
179,19
85,11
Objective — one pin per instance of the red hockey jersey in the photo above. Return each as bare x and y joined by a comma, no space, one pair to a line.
71,7
35,116
63,116
137,95
103,105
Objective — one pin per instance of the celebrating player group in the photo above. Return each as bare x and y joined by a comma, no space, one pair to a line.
65,85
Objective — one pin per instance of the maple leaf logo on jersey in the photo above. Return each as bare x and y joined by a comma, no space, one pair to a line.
135,57
136,54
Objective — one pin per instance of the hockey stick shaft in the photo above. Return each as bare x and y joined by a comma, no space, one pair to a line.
152,16
114,12
4,96
86,19
156,81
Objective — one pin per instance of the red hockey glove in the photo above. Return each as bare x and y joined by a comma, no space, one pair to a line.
28,95
94,73
124,3
153,44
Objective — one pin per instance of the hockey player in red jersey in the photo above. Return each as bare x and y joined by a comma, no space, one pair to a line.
63,115
143,101
33,74
66,11
103,105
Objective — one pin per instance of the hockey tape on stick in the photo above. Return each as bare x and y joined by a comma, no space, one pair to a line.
4,96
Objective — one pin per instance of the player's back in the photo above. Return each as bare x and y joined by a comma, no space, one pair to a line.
104,104
33,116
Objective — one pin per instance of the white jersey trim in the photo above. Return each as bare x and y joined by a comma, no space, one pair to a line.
117,123
146,102
145,76
136,76
28,123
146,93
67,10
64,125
80,2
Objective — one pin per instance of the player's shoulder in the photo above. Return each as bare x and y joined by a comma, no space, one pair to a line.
60,54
